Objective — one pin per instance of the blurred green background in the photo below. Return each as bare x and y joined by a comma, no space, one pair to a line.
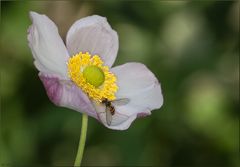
192,47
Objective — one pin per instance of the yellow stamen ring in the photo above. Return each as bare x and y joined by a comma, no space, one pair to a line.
95,79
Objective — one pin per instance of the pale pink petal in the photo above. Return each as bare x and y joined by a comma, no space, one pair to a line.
137,83
49,52
66,94
93,34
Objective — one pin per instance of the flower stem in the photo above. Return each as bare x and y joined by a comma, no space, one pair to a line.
82,140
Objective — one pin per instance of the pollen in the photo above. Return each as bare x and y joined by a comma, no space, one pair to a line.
89,74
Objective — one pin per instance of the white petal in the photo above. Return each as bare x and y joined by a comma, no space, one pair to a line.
93,34
47,47
66,94
137,83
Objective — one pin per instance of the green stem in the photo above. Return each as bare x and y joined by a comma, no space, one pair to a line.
82,140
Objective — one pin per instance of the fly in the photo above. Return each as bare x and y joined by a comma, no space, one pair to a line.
110,109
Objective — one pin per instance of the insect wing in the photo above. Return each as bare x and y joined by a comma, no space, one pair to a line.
120,102
118,118
108,116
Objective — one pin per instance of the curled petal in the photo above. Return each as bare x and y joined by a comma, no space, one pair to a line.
66,94
143,114
47,47
93,34
137,83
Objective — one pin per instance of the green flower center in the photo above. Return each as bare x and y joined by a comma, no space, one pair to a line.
94,75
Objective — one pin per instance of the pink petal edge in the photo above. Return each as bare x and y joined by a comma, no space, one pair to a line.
66,94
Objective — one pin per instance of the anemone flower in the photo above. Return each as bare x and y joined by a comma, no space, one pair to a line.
80,76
